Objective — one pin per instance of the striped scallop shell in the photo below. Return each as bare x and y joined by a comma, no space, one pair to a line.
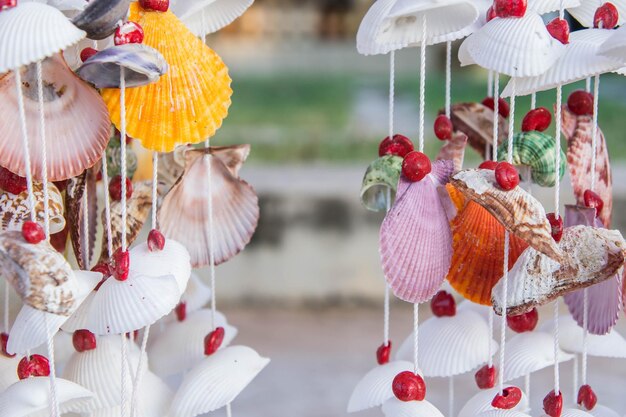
203,17
517,210
396,408
100,18
15,209
530,352
476,121
81,193
380,182
537,151
503,413
591,256
481,403
183,216
172,260
415,237
585,11
573,412
454,150
375,386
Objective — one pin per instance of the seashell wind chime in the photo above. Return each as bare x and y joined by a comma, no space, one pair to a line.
80,82
480,229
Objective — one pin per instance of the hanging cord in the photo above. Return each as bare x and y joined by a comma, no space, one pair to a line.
451,396
207,144
123,154
107,205
229,411
155,181
392,89
496,115
422,83
533,101
387,292
527,387
124,351
490,340
416,319
86,224
139,374
490,83
22,116
557,388
448,77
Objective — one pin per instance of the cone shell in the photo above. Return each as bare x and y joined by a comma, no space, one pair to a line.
375,387
585,11
15,209
549,6
81,192
481,403
530,352
593,255
380,183
188,103
216,381
450,346
537,151
77,122
454,150
181,345
578,131
32,32
415,238
183,216
516,210
208,16
396,408
100,18
517,47
476,121
478,253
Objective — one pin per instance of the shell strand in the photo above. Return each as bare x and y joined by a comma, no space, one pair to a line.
496,115
123,153
448,79
22,117
422,83
211,235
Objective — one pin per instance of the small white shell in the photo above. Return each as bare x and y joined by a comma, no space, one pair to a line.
375,387
548,6
530,352
572,412
585,11
615,46
216,381
396,408
481,403
203,17
603,411
172,260
502,413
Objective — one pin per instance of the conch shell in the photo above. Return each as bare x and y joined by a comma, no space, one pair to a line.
592,256
15,209
83,241
476,121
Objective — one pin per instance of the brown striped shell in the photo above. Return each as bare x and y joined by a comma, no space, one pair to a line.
476,121
83,241
15,209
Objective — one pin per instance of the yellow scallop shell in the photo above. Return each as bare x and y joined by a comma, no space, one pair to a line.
189,102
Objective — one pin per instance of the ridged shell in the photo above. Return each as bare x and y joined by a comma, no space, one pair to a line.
415,237
38,273
503,413
615,46
592,255
64,5
80,318
15,209
380,183
573,412
536,150
476,121
530,352
518,47
585,12
396,408
77,121
100,18
454,150
32,32
450,346
548,6
83,241
481,403
207,16
181,344
188,103
142,65
375,386
172,260
603,411
184,214
578,131
8,376
580,60
478,253
517,210
216,381
482,6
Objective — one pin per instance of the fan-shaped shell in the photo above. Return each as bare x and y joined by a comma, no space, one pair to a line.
15,209
572,412
380,183
78,190
184,214
454,150
450,346
502,413
216,381
31,32
530,352
188,103
481,403
518,47
375,387
415,238
615,46
63,5
516,210
396,408
77,121
207,16
592,256
172,260
548,6
478,253
536,150
585,11
476,121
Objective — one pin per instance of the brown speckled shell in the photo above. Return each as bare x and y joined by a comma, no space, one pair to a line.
74,200
454,150
476,121
15,209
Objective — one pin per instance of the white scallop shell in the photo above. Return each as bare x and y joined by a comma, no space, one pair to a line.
180,346
615,46
467,305
502,413
80,318
530,352
8,376
172,260
585,11
216,381
450,345
572,412
30,397
518,47
396,408
15,209
603,411
63,5
579,61
197,294
31,32
375,387
207,16
549,6
481,403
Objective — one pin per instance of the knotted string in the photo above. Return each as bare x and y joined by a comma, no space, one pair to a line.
448,78
392,71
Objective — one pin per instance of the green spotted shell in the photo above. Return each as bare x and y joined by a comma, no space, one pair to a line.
536,150
114,158
380,183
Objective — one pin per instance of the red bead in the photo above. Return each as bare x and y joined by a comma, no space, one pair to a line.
83,340
486,377
559,29
33,232
506,176
408,386
443,127
213,341
383,353
87,53
503,107
508,399
580,103
7,4
606,16
35,365
128,32
181,311
586,397
416,166
120,264
553,404
398,146
155,5
11,182
557,226
115,188
510,8
4,340
491,14
525,322
538,119
593,200
443,304
156,241
488,165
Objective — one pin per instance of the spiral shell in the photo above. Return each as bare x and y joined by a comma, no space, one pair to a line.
15,209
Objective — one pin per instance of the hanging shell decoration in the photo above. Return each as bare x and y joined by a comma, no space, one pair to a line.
15,209
378,190
79,189
101,18
454,150
476,121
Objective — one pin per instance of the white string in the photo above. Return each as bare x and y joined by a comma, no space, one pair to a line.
123,153
211,234
490,340
22,117
86,224
451,396
54,404
422,83
6,306
392,90
139,374
490,83
594,131
44,156
448,77
588,85
155,178
533,101
107,204
416,319
527,387
557,388
511,121
496,115
557,158
123,385
387,292
585,336
575,377
229,411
